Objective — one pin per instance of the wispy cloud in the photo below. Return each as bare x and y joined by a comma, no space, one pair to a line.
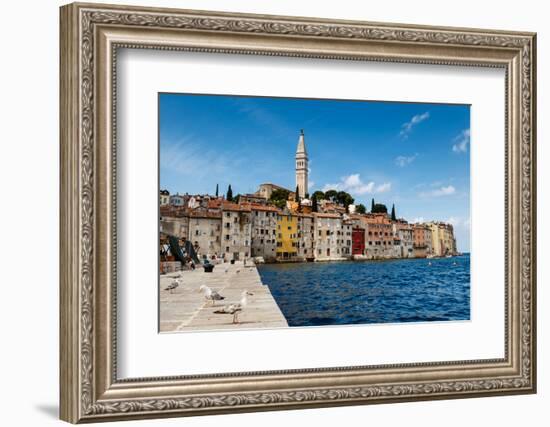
355,186
264,117
407,127
188,158
439,192
462,141
403,161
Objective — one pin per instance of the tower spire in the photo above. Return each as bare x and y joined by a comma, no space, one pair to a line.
301,144
301,165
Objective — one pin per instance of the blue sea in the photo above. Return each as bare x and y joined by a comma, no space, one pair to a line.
358,292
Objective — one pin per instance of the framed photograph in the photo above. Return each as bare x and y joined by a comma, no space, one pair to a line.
266,213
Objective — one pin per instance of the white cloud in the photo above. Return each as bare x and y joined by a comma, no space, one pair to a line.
458,222
462,141
403,161
406,128
438,192
418,220
383,188
355,186
453,220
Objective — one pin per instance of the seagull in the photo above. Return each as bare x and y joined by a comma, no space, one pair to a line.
429,263
250,269
238,270
226,269
172,286
235,308
211,295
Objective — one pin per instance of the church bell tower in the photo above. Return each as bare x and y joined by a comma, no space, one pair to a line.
301,166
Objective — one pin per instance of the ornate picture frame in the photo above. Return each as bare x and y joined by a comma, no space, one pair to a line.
90,37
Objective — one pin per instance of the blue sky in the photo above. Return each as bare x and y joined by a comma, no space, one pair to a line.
415,155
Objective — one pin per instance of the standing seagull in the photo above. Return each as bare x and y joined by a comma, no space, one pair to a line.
211,295
172,286
236,308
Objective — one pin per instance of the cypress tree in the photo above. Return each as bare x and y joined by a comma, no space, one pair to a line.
393,218
314,206
372,205
297,195
229,195
217,188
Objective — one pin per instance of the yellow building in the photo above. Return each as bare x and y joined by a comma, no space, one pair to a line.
443,240
287,236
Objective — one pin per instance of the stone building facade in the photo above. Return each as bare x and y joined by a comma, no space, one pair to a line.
346,238
174,221
263,242
164,197
306,236
422,241
404,232
205,232
177,200
443,240
266,190
328,234
236,231
380,237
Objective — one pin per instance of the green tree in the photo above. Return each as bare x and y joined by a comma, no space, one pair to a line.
361,209
319,195
344,198
372,205
331,195
297,195
314,206
229,195
379,208
393,218
217,188
279,197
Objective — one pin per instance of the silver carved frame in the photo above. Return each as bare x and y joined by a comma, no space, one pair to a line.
90,36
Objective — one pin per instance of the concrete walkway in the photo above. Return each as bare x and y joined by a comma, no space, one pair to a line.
185,309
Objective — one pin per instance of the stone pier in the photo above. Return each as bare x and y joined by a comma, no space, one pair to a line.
185,308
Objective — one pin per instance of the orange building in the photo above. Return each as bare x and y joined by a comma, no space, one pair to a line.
380,237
